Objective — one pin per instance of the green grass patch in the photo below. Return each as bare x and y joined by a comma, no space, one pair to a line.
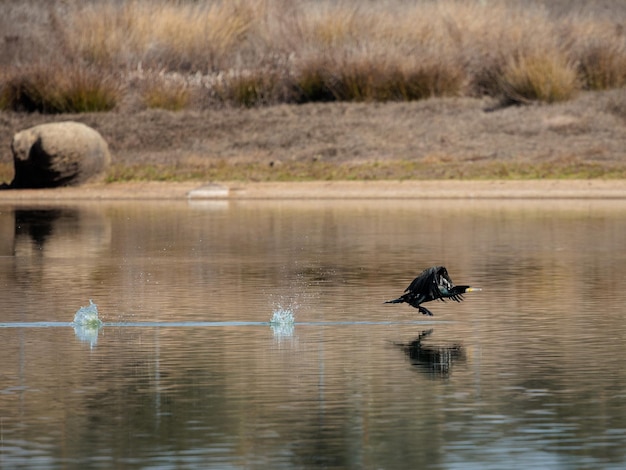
375,170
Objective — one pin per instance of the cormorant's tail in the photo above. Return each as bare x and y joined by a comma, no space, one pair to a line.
399,300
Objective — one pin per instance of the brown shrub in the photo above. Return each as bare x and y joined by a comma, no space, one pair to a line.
57,89
267,51
546,76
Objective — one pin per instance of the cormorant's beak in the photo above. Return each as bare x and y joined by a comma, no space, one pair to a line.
473,289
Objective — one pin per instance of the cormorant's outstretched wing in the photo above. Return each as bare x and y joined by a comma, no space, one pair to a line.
426,284
432,284
456,293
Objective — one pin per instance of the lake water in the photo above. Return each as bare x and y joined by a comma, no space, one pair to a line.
187,372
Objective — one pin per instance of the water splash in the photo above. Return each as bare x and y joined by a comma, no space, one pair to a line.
87,316
87,324
282,322
283,316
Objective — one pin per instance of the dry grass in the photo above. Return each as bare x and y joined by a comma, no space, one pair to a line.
262,86
258,52
432,138
543,76
185,36
165,93
56,89
387,78
603,66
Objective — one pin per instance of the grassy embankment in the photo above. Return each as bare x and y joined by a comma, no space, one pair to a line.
178,56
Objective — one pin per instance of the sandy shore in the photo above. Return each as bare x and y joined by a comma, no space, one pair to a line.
491,189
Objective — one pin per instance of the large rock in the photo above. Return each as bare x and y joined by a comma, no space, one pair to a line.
58,154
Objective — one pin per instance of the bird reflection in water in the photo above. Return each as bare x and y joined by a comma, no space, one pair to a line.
433,360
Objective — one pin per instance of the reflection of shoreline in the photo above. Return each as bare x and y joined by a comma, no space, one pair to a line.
60,231
31,234
38,224
208,204
7,232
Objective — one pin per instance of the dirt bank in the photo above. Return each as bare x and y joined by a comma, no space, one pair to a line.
432,139
495,189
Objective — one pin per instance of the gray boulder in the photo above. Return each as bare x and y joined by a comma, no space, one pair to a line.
58,154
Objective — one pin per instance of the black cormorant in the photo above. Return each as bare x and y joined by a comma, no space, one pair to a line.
433,284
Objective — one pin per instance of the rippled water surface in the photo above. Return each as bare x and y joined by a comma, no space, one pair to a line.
188,372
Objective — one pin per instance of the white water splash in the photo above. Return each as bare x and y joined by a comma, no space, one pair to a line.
283,316
87,316
282,322
87,324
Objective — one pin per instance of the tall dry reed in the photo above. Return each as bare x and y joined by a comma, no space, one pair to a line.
255,52
187,36
56,88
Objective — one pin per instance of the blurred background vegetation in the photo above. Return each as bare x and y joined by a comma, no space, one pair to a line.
82,56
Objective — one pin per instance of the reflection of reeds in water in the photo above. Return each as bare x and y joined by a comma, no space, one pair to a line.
433,360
